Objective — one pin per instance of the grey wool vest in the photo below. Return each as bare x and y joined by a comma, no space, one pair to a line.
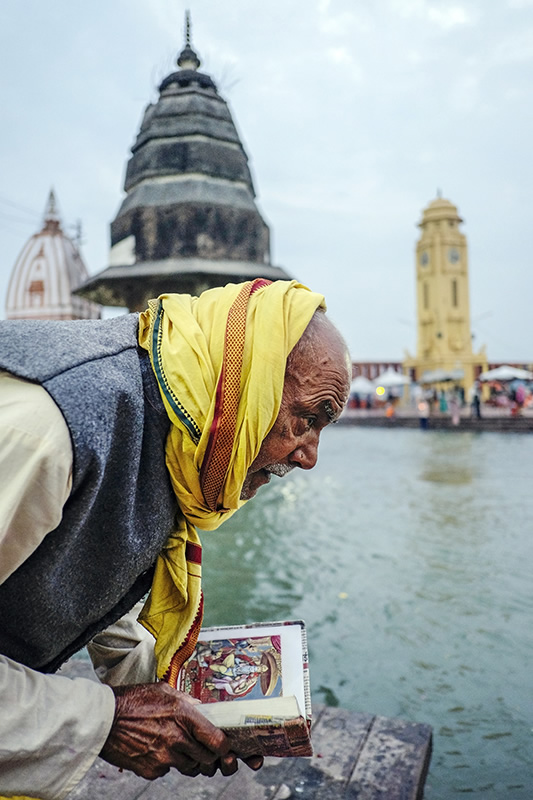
92,568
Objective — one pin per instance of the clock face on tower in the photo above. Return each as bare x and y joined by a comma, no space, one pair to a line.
453,255
424,259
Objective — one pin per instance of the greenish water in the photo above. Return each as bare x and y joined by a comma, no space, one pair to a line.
410,556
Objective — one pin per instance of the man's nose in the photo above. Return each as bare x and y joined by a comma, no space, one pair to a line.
305,456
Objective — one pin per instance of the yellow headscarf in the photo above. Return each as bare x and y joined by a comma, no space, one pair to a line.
219,360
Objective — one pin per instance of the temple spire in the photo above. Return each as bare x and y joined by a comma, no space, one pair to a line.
187,28
188,59
51,219
50,212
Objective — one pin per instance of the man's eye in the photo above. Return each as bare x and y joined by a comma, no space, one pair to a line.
305,424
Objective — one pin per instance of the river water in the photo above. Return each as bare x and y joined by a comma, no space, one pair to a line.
410,555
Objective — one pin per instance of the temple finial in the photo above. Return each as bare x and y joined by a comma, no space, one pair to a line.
188,59
51,213
187,28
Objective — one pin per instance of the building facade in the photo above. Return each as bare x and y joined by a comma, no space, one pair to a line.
371,369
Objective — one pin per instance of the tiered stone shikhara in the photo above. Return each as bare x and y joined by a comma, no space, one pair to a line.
189,219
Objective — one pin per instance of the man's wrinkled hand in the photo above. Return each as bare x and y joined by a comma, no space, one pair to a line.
229,764
156,728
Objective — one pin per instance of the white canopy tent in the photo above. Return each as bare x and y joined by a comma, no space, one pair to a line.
506,373
442,376
361,385
391,378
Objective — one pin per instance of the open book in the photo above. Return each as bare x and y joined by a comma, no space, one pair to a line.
253,682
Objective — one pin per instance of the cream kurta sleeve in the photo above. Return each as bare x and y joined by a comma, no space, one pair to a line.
51,728
124,652
35,469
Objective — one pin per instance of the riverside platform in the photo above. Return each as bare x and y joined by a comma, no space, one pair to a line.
492,420
357,756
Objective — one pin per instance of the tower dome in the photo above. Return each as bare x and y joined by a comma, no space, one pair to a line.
189,220
45,274
440,209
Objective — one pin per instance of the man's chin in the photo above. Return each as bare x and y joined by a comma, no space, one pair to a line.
253,482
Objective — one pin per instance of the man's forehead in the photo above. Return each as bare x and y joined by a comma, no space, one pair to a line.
321,370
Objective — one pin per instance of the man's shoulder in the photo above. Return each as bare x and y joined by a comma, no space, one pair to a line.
41,349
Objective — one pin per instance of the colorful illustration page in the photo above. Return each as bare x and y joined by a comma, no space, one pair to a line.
246,663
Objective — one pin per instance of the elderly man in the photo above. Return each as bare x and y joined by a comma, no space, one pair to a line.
119,439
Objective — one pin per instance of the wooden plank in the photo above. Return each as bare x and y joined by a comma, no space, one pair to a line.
261,785
394,762
338,736
356,756
274,781
104,782
174,785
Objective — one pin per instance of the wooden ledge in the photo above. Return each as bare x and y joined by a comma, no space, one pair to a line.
357,756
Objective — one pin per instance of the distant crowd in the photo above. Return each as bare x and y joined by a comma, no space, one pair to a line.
512,397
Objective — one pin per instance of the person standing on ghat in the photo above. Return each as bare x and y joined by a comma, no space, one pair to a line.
118,439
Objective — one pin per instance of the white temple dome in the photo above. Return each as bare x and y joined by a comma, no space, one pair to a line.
46,273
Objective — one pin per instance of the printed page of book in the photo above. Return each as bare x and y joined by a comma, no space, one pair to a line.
249,662
251,712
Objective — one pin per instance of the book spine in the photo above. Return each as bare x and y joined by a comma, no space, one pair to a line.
289,738
306,677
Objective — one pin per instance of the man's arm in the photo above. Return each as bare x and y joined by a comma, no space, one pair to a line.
51,730
35,469
124,652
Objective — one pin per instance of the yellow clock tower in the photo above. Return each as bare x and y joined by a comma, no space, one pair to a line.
444,341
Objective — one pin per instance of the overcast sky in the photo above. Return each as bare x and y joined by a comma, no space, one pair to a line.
353,114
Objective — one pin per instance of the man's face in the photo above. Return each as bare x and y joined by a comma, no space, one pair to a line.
315,391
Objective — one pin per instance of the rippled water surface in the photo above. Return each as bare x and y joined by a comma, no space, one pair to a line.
410,556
